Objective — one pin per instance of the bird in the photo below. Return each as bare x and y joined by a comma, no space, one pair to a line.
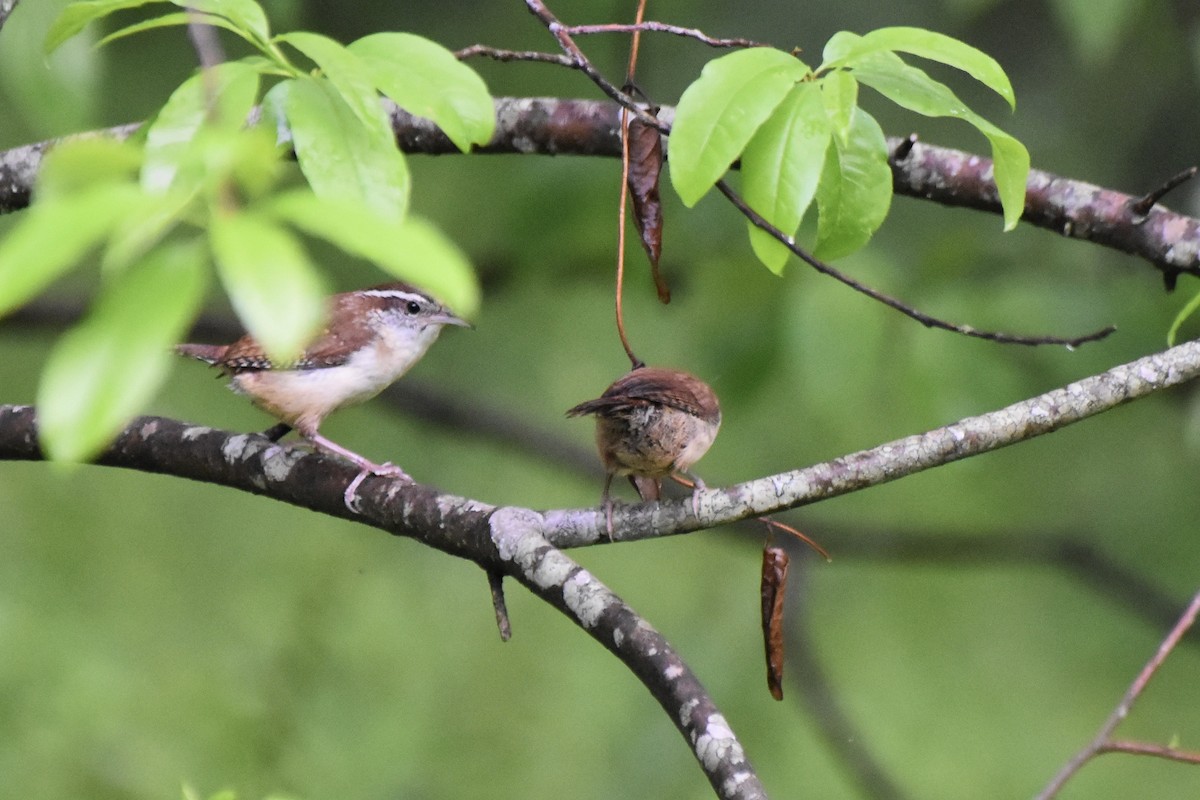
650,423
372,337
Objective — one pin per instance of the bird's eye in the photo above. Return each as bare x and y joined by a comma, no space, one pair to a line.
412,307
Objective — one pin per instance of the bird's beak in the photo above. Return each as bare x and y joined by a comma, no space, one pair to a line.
446,318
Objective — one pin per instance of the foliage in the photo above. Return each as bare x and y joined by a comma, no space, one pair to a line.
198,190
802,136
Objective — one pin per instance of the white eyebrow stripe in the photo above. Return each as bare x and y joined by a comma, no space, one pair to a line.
396,293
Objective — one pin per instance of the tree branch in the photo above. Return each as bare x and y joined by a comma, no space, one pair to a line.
887,462
522,542
1102,742
505,540
553,126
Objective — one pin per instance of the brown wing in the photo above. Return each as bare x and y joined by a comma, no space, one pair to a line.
659,386
247,355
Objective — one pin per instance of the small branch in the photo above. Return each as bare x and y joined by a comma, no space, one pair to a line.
1075,209
925,319
968,437
1102,742
1143,204
496,588
562,126
496,54
1150,749
662,27
581,62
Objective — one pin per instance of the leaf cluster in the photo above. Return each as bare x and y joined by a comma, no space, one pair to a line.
203,188
802,136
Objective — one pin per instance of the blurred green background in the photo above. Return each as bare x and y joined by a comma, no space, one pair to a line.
155,632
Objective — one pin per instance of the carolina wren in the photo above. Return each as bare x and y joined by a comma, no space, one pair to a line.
650,423
372,337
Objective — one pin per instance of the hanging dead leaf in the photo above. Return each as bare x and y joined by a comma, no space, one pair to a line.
645,169
774,584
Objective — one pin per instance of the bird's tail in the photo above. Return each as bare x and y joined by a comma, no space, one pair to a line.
208,353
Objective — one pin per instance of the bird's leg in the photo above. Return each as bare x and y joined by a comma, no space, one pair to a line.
365,465
694,483
607,503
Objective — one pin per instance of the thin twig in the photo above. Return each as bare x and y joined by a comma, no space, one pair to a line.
496,588
1102,742
662,27
1151,749
925,319
584,65
497,54
1143,204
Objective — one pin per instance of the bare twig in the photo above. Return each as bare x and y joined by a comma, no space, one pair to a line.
496,588
662,27
925,319
497,54
1143,204
584,65
1102,742
1150,749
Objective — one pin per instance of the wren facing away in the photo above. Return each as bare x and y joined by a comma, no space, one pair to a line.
373,337
650,423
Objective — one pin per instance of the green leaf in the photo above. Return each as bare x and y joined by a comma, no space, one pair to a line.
52,237
341,158
76,17
171,138
426,79
52,93
413,250
839,92
82,163
349,76
167,21
244,14
845,49
913,89
1183,316
718,114
104,370
1010,170
276,291
781,166
855,189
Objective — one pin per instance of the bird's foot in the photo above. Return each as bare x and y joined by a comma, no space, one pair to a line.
385,470
697,487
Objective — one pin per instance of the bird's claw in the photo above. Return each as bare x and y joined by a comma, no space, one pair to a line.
386,470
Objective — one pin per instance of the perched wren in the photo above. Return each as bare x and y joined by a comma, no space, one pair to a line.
650,423
372,337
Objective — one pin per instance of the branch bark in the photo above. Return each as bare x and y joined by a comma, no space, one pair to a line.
524,543
1169,241
501,540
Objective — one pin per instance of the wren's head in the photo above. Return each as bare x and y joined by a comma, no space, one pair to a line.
396,320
